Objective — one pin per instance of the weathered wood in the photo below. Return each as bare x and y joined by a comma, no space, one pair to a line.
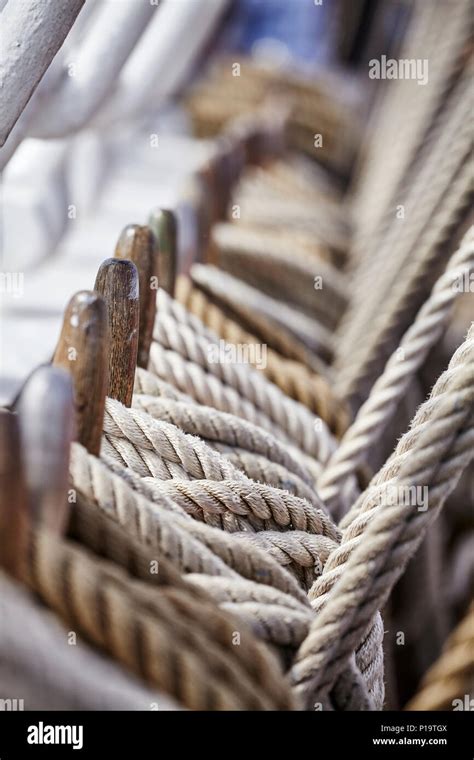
46,416
137,243
83,351
13,495
163,223
117,282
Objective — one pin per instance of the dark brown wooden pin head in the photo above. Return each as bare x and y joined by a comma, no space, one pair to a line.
117,282
83,350
137,243
14,519
163,223
46,416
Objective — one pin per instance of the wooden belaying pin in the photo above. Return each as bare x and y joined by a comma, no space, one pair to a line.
83,350
137,243
117,282
14,518
46,415
163,224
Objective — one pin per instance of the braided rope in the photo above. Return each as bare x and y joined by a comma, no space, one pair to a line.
450,681
374,416
383,531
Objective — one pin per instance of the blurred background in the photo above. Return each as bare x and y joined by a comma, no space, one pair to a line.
121,121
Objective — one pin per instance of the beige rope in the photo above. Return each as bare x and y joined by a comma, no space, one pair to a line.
262,470
261,504
214,426
191,546
243,299
449,683
303,554
254,258
430,212
374,416
406,297
383,531
153,633
99,532
293,377
153,447
37,668
405,115
179,354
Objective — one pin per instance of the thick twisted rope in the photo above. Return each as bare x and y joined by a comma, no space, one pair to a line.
152,632
262,505
36,663
376,413
156,448
293,180
303,554
383,530
220,427
147,384
289,213
262,470
208,390
275,336
273,616
449,683
294,378
240,390
97,531
438,32
407,295
306,431
189,545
